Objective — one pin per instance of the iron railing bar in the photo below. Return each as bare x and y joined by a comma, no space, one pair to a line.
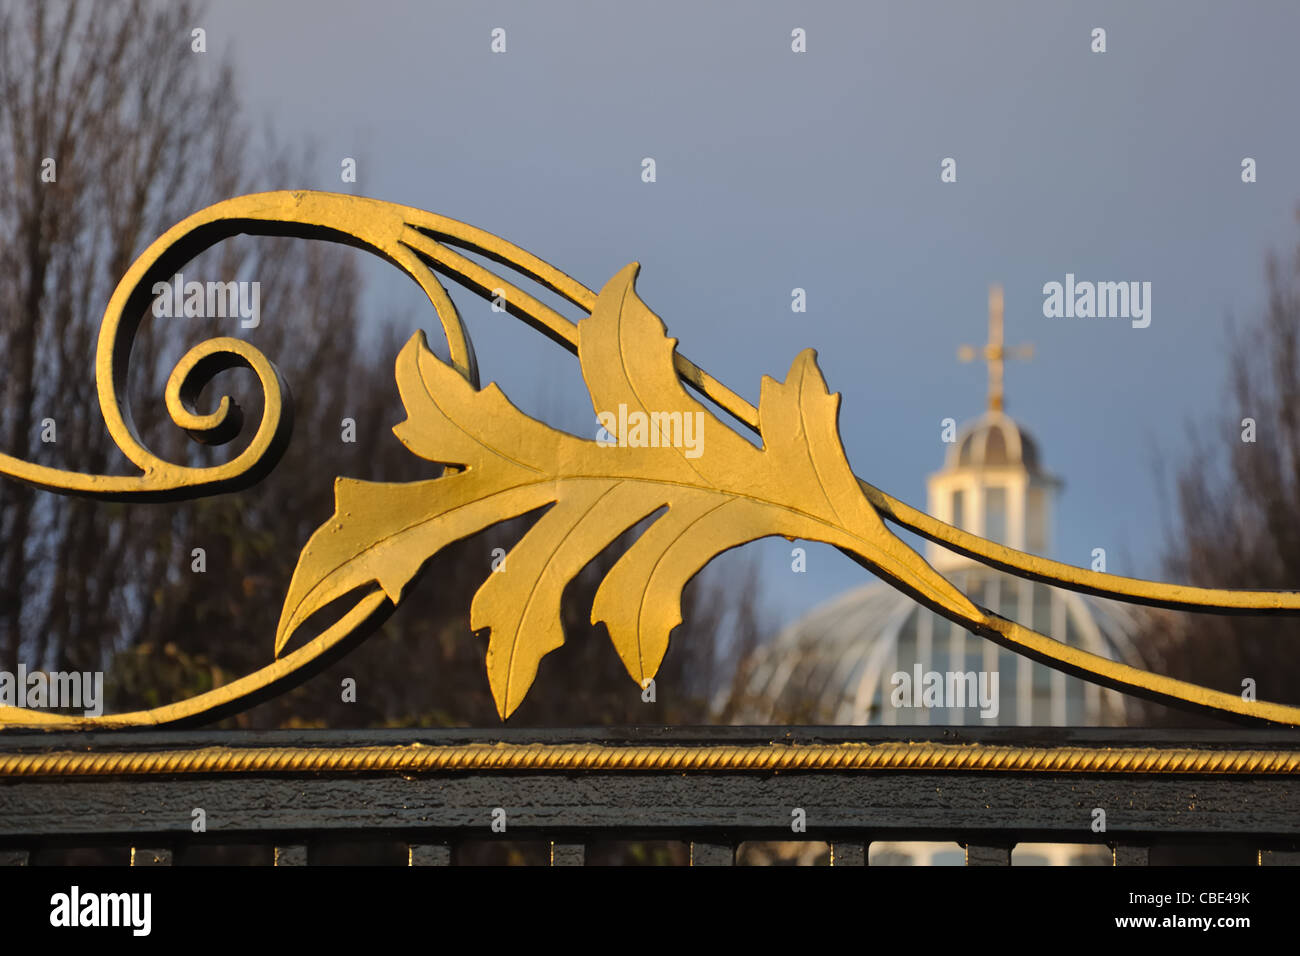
151,856
988,854
568,854
291,855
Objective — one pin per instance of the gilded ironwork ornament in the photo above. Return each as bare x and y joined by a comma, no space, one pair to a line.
667,456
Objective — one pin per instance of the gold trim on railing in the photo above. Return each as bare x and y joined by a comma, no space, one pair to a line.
561,758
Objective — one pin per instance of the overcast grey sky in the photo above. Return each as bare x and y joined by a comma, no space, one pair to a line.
821,170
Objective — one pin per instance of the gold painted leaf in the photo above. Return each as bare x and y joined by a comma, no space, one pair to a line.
708,489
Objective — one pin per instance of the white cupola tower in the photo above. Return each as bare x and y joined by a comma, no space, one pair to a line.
991,483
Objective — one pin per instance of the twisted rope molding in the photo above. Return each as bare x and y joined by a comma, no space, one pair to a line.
600,757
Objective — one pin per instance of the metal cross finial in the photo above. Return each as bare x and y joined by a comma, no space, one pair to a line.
995,352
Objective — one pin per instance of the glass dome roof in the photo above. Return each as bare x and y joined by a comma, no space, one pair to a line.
841,664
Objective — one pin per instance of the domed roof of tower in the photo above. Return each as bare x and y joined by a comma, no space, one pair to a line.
994,440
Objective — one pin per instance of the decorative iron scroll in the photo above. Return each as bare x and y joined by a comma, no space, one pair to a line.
500,464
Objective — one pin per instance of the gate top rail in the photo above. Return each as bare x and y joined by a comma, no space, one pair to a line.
435,793
695,750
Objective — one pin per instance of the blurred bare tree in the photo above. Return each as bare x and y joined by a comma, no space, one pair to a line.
1235,520
106,139
141,132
